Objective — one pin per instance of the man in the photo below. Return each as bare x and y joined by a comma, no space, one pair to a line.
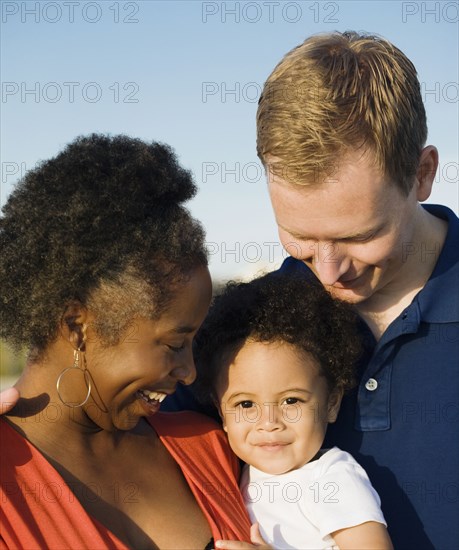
341,133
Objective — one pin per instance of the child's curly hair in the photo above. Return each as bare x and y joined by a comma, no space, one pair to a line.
278,308
101,223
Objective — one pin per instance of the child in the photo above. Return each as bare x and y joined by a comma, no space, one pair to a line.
276,355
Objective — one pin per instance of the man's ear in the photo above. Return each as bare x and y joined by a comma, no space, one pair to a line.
425,174
74,323
334,403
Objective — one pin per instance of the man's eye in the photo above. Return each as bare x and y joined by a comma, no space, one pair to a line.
245,404
363,238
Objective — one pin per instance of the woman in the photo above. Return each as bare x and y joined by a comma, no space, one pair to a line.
104,278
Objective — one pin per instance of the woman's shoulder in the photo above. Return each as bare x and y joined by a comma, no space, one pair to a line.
184,423
13,442
192,437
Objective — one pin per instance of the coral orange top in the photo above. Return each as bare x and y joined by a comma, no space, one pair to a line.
38,509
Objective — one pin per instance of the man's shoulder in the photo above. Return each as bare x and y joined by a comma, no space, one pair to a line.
441,211
439,299
450,251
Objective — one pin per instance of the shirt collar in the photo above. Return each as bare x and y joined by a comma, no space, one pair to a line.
438,301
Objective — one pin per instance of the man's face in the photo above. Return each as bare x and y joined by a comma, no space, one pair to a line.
352,230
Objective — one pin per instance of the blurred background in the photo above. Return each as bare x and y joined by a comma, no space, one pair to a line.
189,74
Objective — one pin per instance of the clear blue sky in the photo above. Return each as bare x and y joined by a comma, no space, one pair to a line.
189,73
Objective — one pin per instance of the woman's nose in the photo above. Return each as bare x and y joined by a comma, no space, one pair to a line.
185,372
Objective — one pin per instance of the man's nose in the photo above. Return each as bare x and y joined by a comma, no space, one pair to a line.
330,262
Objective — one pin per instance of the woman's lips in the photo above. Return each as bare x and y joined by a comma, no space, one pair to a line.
150,400
153,395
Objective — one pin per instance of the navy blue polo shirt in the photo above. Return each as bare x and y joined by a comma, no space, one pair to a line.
401,423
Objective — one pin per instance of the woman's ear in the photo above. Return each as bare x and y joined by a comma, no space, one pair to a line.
334,403
74,323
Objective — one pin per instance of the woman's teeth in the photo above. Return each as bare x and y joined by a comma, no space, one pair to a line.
154,395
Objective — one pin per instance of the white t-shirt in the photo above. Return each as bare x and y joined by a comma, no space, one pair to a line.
299,509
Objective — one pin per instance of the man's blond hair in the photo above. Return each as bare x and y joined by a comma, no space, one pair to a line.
337,93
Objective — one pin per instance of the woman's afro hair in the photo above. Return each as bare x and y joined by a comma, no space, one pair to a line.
105,213
277,308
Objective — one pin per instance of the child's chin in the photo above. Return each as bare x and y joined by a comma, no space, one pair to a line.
275,469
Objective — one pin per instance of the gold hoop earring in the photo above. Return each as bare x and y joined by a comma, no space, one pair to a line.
87,380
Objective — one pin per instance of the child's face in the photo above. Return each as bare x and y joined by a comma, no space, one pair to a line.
276,406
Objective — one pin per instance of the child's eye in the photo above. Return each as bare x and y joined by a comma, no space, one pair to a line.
245,404
291,400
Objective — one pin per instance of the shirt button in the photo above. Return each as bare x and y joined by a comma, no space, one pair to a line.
371,384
